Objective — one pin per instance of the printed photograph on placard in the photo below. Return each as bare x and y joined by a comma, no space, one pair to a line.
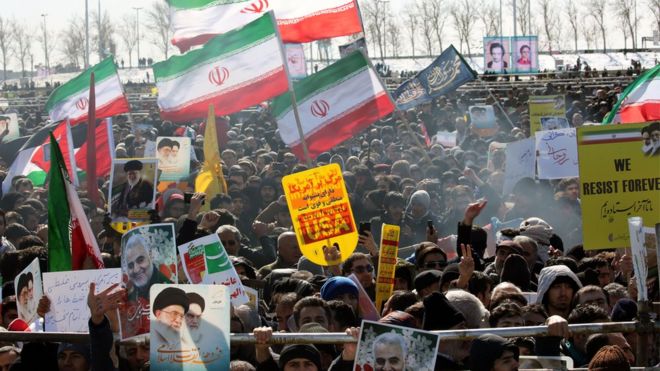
132,191
651,139
189,327
173,155
402,348
148,257
496,54
525,54
554,123
29,290
483,121
9,129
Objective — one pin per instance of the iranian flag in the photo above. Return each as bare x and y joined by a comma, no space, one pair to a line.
299,21
72,244
640,102
232,71
71,100
334,105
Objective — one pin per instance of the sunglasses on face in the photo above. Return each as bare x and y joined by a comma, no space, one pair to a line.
363,268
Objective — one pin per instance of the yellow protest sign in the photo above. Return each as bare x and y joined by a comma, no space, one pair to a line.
321,212
389,246
545,106
619,179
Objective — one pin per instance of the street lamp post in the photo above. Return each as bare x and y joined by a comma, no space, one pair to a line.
44,15
137,28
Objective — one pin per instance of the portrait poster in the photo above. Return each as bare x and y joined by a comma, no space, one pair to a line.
483,121
68,292
189,327
519,162
497,54
205,260
554,123
9,129
524,54
557,154
545,106
173,155
132,192
321,212
148,257
29,291
618,180
295,59
403,348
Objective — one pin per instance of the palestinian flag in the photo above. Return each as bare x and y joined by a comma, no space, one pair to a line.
233,71
334,105
640,102
71,100
299,21
71,240
33,159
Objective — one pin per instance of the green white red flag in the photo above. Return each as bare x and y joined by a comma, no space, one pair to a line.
71,241
233,71
195,22
640,102
71,100
334,105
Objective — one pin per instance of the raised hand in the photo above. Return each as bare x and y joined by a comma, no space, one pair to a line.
107,300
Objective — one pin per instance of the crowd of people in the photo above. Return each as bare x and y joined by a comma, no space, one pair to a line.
448,275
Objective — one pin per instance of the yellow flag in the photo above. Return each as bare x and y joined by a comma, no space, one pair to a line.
211,180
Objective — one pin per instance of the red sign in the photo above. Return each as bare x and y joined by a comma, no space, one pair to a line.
321,224
218,75
320,108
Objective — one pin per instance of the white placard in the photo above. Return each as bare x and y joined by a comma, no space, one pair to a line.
29,290
447,139
68,291
557,154
636,229
520,162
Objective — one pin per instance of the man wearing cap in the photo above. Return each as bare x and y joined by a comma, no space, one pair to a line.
135,193
170,307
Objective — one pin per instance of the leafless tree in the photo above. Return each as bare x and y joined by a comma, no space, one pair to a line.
103,37
128,34
158,20
625,10
654,7
439,16
574,19
48,43
524,22
412,21
427,30
22,44
463,14
551,25
598,11
73,41
489,16
394,36
375,16
591,34
6,38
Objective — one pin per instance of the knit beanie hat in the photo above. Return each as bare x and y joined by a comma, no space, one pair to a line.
624,310
337,286
609,358
304,351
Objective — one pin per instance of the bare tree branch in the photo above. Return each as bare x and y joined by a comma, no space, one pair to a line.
158,18
128,34
489,16
574,19
551,27
375,16
73,39
598,11
625,10
6,37
412,22
22,45
463,14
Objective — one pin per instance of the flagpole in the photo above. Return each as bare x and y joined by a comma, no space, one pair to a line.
72,155
294,102
497,102
92,186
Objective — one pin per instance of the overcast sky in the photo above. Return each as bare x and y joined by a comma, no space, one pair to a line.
60,11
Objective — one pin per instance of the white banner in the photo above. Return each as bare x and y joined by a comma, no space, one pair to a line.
295,59
557,154
520,161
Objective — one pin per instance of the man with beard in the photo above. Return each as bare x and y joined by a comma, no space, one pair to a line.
142,272
194,316
135,193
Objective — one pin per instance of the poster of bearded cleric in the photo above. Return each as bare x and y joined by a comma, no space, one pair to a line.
390,347
189,327
148,257
173,155
132,191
